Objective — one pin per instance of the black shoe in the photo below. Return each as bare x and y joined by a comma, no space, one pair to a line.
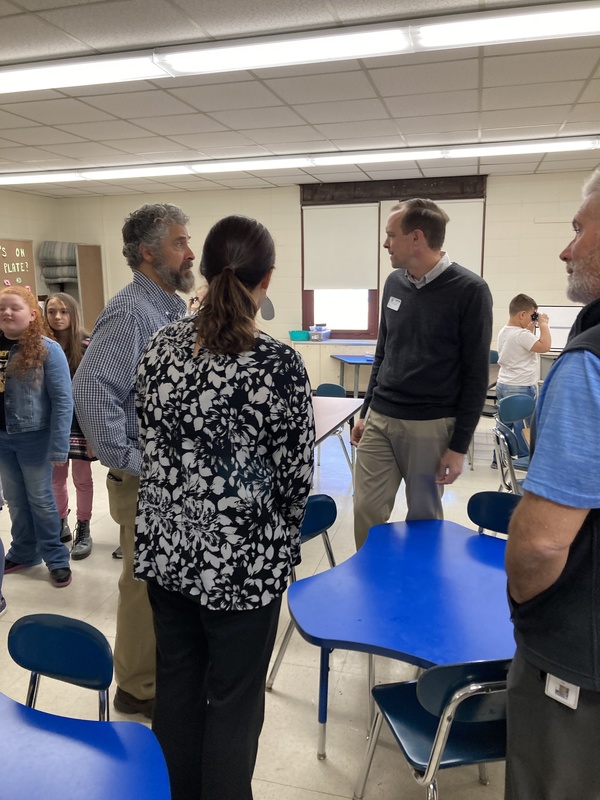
494,465
128,704
65,531
82,544
60,577
117,553
12,566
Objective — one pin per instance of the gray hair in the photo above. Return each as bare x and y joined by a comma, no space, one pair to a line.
149,225
592,184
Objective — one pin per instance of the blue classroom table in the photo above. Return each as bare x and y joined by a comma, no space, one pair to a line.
357,362
424,592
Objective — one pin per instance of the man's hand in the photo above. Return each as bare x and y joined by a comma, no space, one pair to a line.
451,465
357,432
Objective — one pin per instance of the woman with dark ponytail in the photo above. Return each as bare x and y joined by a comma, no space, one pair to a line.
226,431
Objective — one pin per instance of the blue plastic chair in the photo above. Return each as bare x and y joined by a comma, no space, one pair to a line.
106,760
507,448
334,390
61,758
451,716
492,510
320,515
64,649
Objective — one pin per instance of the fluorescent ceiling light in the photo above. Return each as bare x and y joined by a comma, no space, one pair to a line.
135,172
366,41
378,157
78,72
307,161
284,51
252,164
21,179
512,26
522,148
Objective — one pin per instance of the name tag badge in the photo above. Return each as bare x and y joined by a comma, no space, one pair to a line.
561,691
394,303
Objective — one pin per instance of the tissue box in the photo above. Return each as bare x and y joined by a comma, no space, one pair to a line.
319,336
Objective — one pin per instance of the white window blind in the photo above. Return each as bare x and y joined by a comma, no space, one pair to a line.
341,246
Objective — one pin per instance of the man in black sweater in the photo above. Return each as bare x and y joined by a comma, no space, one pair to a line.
429,376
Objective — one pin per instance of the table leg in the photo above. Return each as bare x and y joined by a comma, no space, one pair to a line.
342,366
371,684
323,691
356,375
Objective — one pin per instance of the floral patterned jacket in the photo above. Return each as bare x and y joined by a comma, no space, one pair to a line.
227,459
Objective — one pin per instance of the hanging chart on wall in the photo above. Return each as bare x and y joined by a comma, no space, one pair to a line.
16,260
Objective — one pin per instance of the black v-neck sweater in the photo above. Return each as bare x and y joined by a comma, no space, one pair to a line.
432,355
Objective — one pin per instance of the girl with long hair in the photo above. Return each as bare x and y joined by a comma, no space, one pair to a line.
227,435
36,407
61,312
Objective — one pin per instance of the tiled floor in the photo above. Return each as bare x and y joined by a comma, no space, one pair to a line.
287,767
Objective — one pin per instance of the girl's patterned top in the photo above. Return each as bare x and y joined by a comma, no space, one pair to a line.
227,460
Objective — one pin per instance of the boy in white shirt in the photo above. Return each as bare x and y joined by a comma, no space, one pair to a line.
517,355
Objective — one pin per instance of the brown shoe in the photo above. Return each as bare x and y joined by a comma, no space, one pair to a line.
126,703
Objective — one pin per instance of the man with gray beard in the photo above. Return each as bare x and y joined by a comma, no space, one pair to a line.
553,558
156,247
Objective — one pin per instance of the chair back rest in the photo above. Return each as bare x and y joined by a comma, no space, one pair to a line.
515,407
330,390
493,356
437,685
62,648
321,513
492,510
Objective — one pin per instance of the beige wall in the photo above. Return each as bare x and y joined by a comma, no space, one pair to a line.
528,222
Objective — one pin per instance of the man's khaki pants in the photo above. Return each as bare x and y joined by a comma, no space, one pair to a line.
392,450
135,645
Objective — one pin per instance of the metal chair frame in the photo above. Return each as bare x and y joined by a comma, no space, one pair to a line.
483,686
320,515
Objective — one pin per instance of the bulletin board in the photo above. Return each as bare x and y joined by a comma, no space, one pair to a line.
16,261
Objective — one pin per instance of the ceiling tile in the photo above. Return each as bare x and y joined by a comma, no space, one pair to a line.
343,111
52,112
201,140
14,121
291,133
26,38
545,115
531,95
222,18
538,68
83,150
99,131
352,130
323,88
585,112
591,93
188,123
249,151
228,96
373,143
433,103
437,139
531,132
40,135
391,174
446,76
291,148
145,146
25,154
443,122
124,23
279,116
140,104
